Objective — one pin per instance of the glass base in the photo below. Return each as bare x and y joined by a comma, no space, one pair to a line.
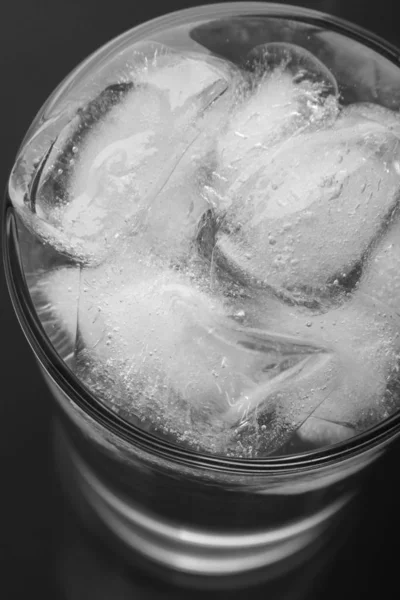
192,557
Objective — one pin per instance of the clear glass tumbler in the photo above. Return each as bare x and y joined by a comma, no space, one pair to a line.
184,509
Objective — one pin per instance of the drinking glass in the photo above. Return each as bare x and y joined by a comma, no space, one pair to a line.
187,511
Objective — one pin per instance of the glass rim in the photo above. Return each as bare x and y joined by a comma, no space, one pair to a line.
372,438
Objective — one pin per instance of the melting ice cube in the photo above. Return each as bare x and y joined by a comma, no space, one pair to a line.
289,93
126,148
174,351
306,214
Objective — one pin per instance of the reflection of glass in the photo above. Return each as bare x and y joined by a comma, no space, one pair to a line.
93,570
201,248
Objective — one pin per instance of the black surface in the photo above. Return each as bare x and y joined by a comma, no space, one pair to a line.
43,552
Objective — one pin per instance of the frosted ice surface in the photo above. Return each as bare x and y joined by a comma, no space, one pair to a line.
147,151
160,124
301,65
174,351
307,213
289,93
345,392
364,344
365,334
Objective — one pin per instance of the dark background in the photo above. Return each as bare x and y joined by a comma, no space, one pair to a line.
43,551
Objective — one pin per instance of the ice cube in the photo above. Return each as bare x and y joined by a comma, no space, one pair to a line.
143,156
283,100
297,62
361,357
38,185
306,214
345,391
172,352
366,342
337,392
276,409
83,210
